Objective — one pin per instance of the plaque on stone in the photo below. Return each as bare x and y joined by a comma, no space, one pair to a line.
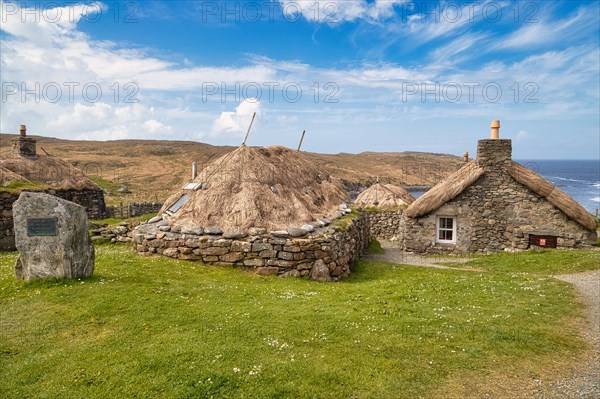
41,227
51,235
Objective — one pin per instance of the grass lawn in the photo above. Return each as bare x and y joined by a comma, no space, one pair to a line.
160,328
544,262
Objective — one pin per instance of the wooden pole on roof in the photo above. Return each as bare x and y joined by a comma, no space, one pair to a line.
301,139
249,127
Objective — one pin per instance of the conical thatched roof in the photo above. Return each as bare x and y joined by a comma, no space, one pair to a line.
468,174
384,196
272,187
52,171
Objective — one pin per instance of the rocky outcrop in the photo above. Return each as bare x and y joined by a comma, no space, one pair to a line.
51,235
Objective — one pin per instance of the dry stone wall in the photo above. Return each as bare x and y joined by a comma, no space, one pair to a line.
385,224
7,232
326,254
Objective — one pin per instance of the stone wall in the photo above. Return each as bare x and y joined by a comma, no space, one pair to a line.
133,209
495,213
7,233
385,224
325,254
92,200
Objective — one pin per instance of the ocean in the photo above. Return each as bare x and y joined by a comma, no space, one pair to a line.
578,178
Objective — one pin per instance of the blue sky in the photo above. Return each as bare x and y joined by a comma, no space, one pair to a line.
357,75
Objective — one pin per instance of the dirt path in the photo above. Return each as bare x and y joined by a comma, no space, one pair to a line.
584,383
395,255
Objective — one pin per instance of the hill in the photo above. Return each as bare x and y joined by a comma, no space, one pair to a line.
152,169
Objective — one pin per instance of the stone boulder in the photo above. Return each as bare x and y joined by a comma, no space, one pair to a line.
320,271
51,235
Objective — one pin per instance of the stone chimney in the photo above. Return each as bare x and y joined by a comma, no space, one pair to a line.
494,153
23,145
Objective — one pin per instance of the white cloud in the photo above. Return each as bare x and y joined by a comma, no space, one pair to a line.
236,123
340,11
548,31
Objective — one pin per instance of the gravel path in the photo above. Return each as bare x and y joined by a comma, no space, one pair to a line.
585,381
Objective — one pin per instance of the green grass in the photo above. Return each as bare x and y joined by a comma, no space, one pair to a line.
546,262
18,186
155,327
375,247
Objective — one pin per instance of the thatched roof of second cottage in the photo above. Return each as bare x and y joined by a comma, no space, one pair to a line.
384,196
271,187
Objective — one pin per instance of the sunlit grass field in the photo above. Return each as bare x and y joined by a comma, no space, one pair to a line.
158,328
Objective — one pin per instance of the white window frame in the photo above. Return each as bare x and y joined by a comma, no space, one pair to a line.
438,228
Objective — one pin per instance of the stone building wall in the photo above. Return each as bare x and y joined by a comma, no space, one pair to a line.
385,224
92,200
7,233
326,254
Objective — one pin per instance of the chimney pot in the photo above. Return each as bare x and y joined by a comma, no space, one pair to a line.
495,129
466,156
194,170
23,130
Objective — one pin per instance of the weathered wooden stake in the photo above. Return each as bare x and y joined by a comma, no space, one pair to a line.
249,127
301,139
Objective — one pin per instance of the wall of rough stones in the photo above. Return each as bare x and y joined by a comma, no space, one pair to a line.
92,200
133,209
326,254
385,224
7,234
495,213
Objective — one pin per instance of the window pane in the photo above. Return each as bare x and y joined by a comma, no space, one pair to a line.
180,202
449,223
449,235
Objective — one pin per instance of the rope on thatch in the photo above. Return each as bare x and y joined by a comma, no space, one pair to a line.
552,194
445,190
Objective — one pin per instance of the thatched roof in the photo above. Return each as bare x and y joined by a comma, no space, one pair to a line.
52,171
445,190
272,187
8,176
468,174
384,196
552,194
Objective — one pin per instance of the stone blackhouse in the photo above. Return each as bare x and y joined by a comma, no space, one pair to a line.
43,173
492,204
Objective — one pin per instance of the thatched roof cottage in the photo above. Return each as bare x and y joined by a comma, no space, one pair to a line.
267,209
384,196
493,203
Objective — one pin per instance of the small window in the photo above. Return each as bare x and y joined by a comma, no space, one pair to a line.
180,202
446,230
